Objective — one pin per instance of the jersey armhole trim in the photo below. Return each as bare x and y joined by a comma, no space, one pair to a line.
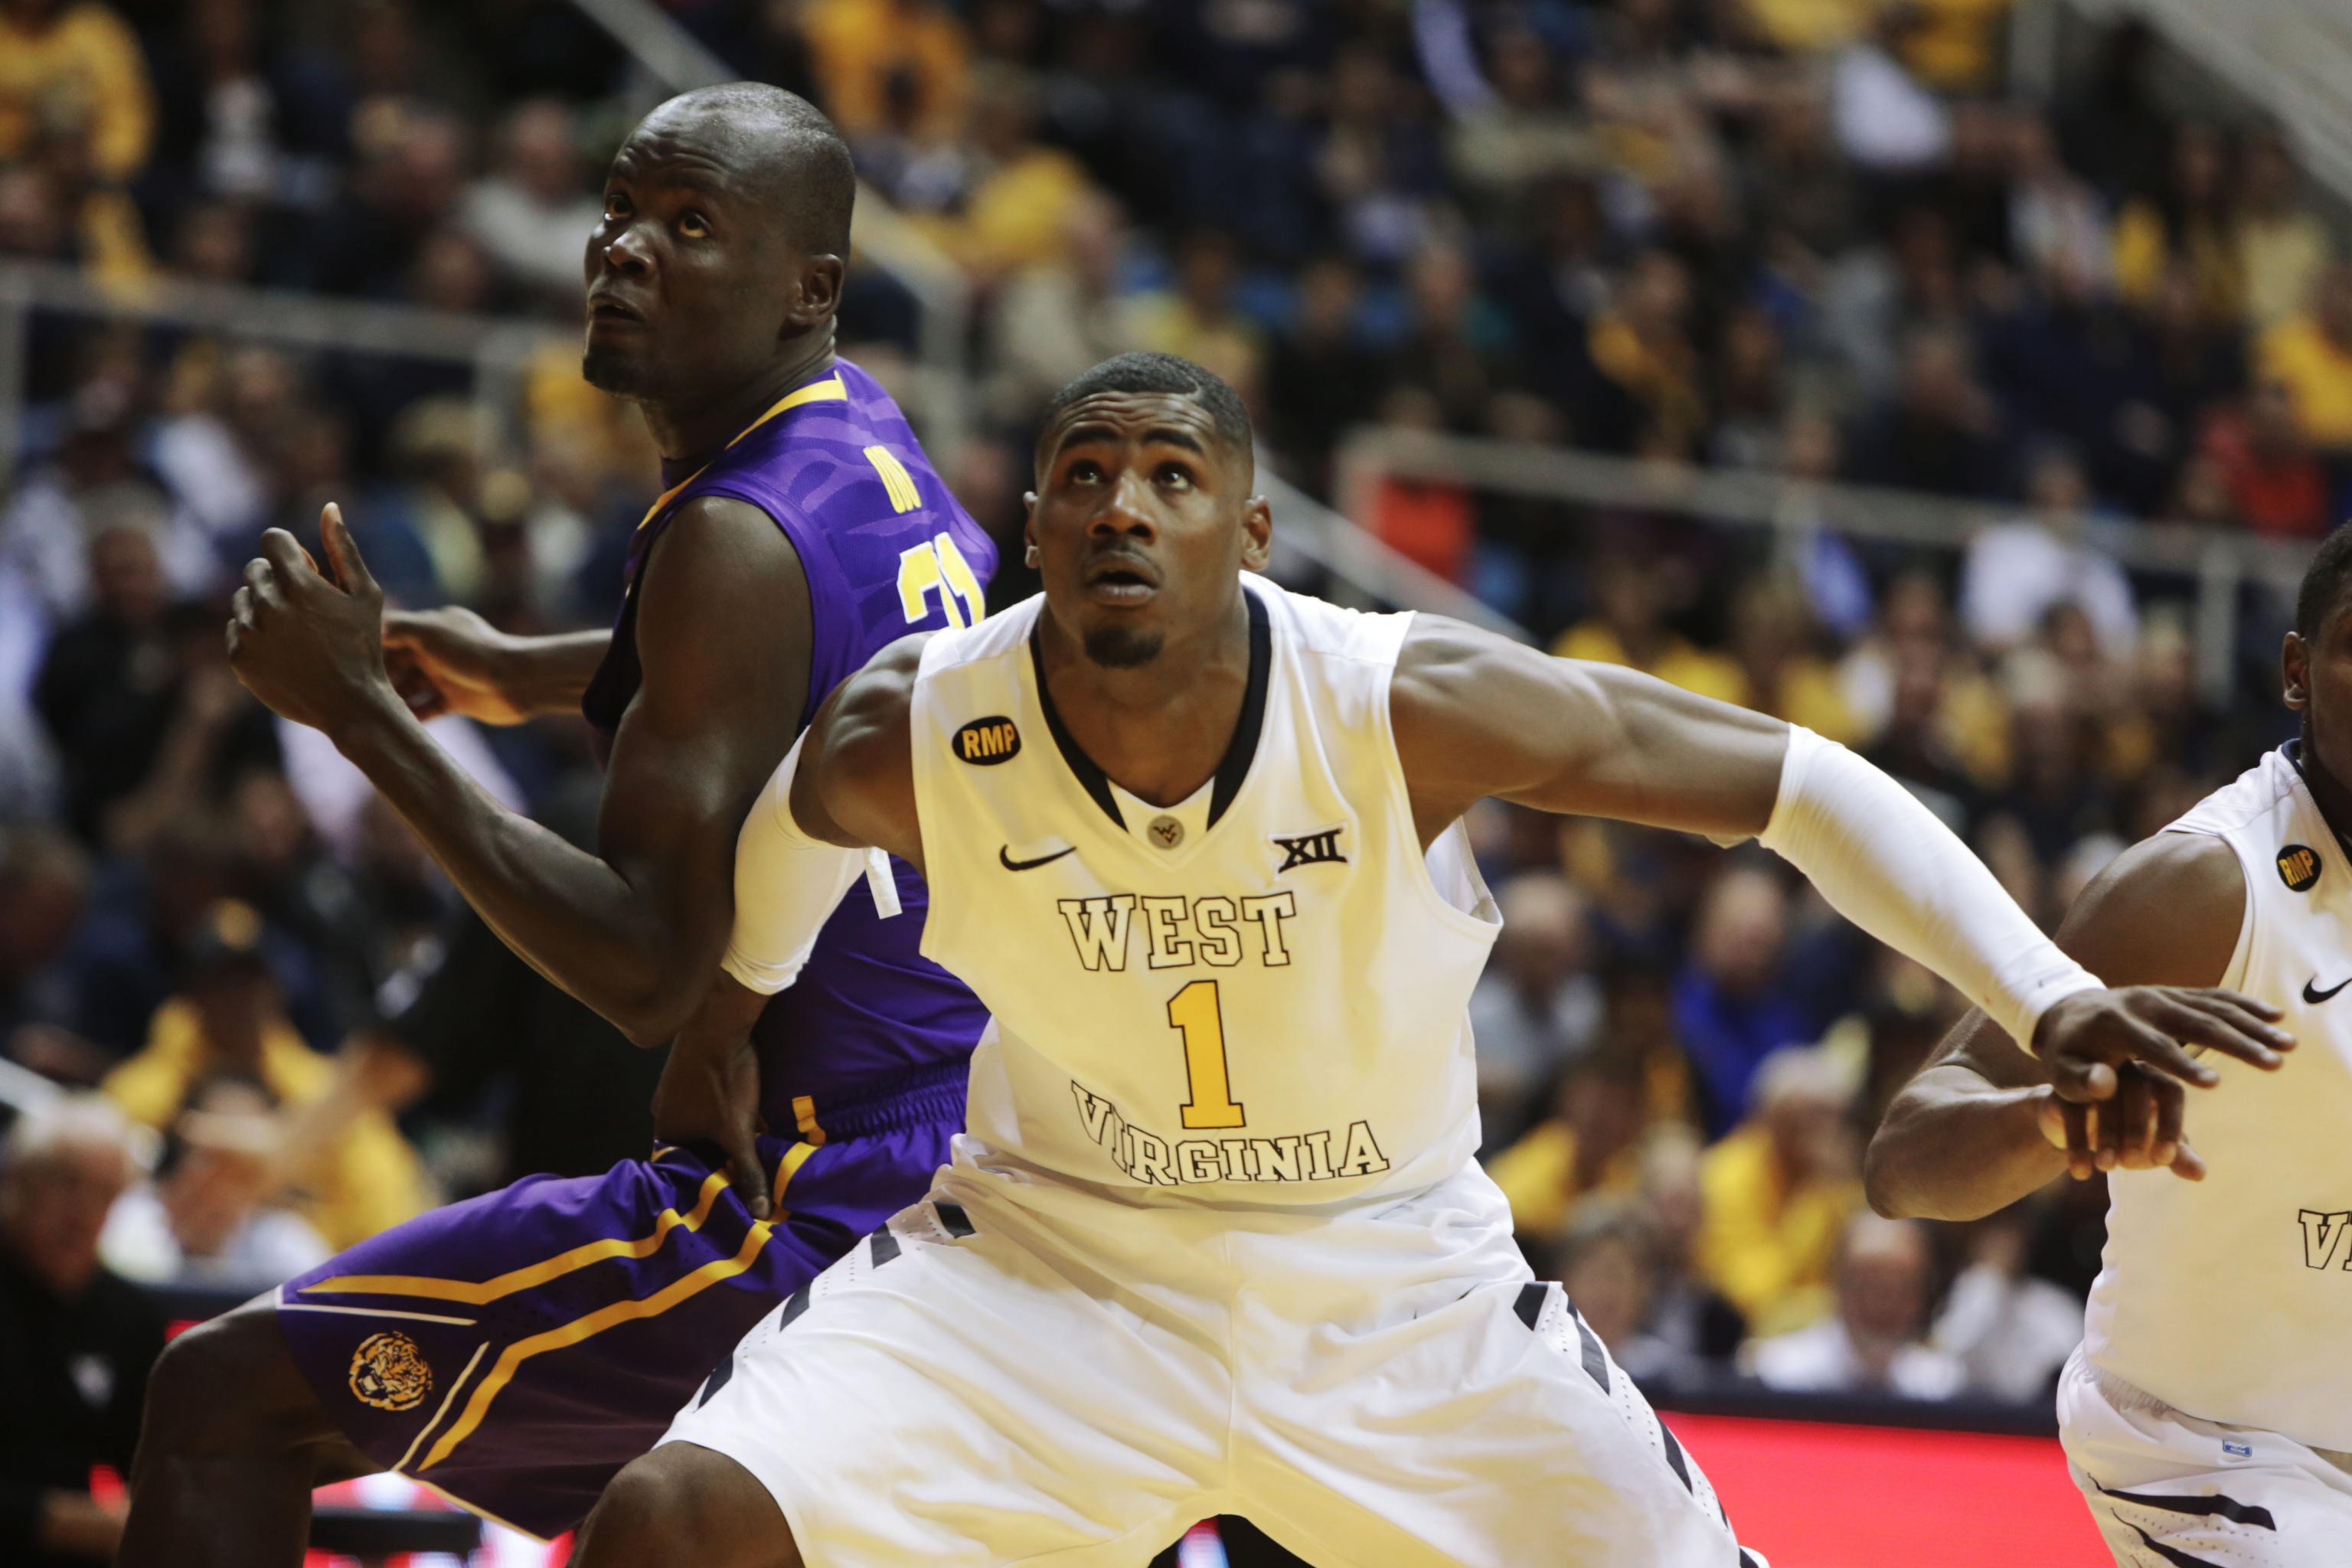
1401,790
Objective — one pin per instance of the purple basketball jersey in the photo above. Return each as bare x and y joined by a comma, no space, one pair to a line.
886,551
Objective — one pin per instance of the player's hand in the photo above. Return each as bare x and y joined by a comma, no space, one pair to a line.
2138,1130
2084,1038
709,1093
310,648
449,661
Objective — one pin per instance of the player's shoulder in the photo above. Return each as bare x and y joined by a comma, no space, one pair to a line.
1001,638
2168,911
2259,791
1320,627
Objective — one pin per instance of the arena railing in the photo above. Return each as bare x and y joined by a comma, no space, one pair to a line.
2219,565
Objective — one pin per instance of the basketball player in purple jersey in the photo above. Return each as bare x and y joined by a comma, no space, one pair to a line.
516,1350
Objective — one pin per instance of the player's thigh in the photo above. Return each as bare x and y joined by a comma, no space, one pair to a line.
947,1395
2166,1487
684,1507
1497,1432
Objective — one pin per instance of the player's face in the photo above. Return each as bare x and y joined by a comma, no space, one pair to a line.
688,280
1143,521
2318,679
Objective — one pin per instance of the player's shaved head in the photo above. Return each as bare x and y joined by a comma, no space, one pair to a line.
783,145
1165,376
2323,582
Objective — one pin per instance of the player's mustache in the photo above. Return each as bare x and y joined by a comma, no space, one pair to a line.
1118,558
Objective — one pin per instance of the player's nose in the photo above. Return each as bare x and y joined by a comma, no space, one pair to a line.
1129,510
624,251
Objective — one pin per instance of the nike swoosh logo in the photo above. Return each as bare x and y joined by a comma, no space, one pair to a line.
1005,858
2315,996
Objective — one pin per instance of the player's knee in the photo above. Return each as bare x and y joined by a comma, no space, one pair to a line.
226,1385
684,1507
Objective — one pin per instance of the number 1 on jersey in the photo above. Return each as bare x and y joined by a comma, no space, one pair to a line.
1193,1012
939,567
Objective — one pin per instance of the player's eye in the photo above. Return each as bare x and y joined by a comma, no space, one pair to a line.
1085,470
616,206
1176,476
694,226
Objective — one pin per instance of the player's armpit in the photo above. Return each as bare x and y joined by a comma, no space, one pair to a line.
1478,715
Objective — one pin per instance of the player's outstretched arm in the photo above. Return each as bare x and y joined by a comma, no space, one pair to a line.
1476,715
723,638
1978,1127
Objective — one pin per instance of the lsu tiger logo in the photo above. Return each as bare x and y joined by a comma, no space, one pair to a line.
388,1373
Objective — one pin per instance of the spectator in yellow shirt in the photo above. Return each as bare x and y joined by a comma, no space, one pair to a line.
1588,1147
866,52
1779,1190
228,1018
74,62
2311,352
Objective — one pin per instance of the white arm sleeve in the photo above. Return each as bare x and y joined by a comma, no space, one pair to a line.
1886,863
788,884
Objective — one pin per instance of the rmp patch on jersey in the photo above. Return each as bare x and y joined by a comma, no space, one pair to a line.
985,742
2298,867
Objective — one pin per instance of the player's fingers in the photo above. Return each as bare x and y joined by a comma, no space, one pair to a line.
2188,1163
240,607
2171,1098
2114,1117
286,553
2230,1008
2081,1081
2139,1140
2079,1133
2202,1025
2161,1052
2270,1011
344,554
261,580
743,1172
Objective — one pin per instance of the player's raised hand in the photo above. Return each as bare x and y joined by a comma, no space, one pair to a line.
2139,1128
309,647
2084,1038
449,660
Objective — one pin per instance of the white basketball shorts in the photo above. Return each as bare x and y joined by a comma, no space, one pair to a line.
1015,1372
2169,1491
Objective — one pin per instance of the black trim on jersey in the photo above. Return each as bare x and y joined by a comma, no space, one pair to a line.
953,1220
886,1247
1748,1559
1243,749
1239,752
2172,1555
1596,1360
2236,1512
793,1308
718,1376
1530,1303
1674,1456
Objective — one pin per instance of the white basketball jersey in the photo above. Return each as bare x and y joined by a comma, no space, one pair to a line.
2230,1298
1257,996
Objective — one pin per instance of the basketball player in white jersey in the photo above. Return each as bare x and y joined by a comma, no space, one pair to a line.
2208,1415
1214,1241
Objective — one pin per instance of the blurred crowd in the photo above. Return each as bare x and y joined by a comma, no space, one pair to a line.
1812,238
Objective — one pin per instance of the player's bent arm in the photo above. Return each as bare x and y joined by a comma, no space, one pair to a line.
452,660
1476,715
635,930
843,792
1974,1130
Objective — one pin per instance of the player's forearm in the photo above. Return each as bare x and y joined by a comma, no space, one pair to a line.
1885,862
551,674
1956,1147
567,913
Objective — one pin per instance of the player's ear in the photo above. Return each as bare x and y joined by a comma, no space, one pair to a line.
2294,672
1257,533
1029,527
816,292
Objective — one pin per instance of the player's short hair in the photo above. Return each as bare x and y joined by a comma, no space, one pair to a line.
1144,372
2323,581
799,156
